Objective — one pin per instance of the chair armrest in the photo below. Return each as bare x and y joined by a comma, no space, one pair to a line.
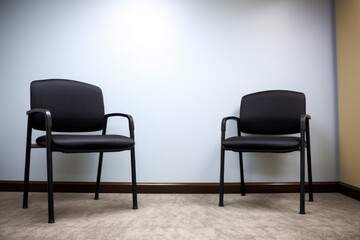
304,122
223,125
47,114
48,125
129,118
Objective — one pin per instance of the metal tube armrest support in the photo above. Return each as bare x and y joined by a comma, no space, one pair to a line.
48,121
48,128
129,118
223,125
304,122
46,112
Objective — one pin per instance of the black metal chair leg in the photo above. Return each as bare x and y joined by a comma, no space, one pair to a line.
222,169
27,165
97,190
311,197
308,151
50,187
302,181
133,178
242,183
26,177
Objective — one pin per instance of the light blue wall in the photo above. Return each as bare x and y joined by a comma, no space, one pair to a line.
177,67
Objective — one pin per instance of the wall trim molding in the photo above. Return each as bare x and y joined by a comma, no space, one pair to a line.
350,191
175,188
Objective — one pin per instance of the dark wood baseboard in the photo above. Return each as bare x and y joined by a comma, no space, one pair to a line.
349,190
111,187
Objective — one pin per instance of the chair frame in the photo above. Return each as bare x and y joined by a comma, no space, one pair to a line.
305,143
50,150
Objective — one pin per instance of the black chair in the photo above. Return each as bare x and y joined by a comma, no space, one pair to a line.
267,118
71,108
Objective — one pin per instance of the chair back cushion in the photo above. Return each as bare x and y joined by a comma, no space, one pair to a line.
74,106
272,112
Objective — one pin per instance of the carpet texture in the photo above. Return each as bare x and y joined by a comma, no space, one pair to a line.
180,216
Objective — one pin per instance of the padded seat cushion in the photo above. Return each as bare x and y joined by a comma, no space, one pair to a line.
88,143
262,144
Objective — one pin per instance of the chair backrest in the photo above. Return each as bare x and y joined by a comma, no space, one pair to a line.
74,106
272,112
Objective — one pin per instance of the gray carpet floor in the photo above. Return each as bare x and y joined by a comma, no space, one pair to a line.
180,216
